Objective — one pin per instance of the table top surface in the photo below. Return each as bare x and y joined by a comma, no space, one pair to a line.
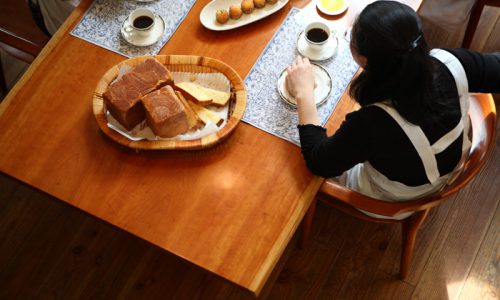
230,209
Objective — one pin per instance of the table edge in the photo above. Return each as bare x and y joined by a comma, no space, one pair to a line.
282,241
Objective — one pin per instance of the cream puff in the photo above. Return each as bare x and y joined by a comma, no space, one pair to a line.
247,6
222,16
235,11
259,3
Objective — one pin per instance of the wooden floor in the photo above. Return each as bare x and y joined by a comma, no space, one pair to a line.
49,250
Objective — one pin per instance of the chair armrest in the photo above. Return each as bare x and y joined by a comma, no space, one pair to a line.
338,192
18,42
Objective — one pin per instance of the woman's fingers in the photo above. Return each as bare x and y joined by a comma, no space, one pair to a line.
299,61
300,80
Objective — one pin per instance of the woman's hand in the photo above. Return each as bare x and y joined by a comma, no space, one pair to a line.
300,84
300,80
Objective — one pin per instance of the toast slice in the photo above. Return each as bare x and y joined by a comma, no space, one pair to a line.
194,121
206,115
203,95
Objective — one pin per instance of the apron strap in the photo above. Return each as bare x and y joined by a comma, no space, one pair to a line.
458,72
415,134
446,140
419,141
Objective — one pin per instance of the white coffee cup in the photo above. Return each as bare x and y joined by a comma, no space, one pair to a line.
142,21
317,34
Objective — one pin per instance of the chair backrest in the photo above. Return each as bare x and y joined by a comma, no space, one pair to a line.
18,30
482,113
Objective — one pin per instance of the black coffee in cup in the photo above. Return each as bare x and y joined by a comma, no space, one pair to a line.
143,22
317,35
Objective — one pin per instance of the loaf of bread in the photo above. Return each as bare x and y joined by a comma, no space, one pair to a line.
122,98
165,113
203,95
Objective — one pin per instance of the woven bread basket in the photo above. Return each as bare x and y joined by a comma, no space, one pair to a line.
176,63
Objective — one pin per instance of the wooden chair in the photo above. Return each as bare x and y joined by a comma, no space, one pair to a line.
482,113
19,35
475,15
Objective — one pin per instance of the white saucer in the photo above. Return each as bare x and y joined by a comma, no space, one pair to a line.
322,90
327,51
132,36
330,12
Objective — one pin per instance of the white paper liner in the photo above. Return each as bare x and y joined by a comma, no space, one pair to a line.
216,81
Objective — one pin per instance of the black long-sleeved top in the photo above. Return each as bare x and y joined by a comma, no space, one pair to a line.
370,134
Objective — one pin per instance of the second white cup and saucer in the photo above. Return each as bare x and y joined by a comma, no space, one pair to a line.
317,42
143,27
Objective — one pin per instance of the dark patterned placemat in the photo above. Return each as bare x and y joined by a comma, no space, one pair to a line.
102,23
265,109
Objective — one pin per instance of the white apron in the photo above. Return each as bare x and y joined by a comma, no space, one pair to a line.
364,178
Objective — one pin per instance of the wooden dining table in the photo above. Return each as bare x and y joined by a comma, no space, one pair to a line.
231,209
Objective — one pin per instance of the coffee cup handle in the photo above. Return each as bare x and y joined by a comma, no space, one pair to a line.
155,18
128,29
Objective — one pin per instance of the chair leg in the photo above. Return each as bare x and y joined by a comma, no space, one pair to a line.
3,84
409,233
474,17
307,224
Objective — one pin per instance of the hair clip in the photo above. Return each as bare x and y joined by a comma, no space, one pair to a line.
415,42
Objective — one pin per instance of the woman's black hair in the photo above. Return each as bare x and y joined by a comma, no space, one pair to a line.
399,67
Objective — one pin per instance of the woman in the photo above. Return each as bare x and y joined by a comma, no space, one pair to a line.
411,133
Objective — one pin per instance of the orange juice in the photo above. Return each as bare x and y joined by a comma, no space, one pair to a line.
332,5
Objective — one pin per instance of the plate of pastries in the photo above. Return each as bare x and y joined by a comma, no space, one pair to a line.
169,102
222,15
